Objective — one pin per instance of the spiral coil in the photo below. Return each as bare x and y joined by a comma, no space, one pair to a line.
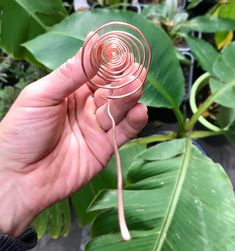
115,55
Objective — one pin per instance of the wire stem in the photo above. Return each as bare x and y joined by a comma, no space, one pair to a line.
121,215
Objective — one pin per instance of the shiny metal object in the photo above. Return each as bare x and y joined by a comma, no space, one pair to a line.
120,50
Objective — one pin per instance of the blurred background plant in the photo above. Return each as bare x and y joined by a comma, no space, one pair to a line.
14,76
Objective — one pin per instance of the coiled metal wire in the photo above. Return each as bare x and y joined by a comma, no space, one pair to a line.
120,50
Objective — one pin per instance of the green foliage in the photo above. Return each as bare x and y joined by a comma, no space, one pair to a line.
209,24
70,35
193,3
204,52
170,204
18,74
223,87
225,9
167,16
22,20
56,219
105,180
224,82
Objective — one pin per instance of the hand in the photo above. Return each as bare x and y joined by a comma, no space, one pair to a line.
56,137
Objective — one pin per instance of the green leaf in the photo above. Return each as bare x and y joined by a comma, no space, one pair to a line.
226,119
171,8
225,10
23,20
66,217
177,201
40,223
65,39
157,10
230,133
224,82
209,24
193,3
61,46
107,179
204,53
223,38
55,222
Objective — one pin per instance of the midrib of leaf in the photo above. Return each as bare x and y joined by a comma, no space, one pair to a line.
174,198
32,15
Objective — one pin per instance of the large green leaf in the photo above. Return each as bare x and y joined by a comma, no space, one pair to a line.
23,20
177,199
210,24
204,52
107,179
224,71
63,40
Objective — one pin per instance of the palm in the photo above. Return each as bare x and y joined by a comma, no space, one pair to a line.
62,146
59,139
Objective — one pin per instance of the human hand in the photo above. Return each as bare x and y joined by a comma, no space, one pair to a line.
56,137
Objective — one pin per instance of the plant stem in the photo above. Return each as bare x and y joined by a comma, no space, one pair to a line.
204,106
153,139
179,117
204,134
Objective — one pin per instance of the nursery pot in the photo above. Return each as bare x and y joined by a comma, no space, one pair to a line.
200,83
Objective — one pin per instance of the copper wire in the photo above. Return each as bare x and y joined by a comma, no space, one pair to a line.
115,55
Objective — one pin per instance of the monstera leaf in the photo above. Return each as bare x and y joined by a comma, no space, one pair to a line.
22,20
176,199
65,39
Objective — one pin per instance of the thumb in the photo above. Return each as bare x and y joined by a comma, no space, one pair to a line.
59,84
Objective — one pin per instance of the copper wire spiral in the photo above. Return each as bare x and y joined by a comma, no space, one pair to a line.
118,53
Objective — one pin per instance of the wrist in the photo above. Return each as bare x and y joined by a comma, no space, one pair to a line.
14,216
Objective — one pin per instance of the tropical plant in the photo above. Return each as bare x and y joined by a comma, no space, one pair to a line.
176,198
221,9
14,76
178,23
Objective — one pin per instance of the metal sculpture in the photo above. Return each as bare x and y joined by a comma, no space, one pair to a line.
118,53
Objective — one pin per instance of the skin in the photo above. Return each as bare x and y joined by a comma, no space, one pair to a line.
56,137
